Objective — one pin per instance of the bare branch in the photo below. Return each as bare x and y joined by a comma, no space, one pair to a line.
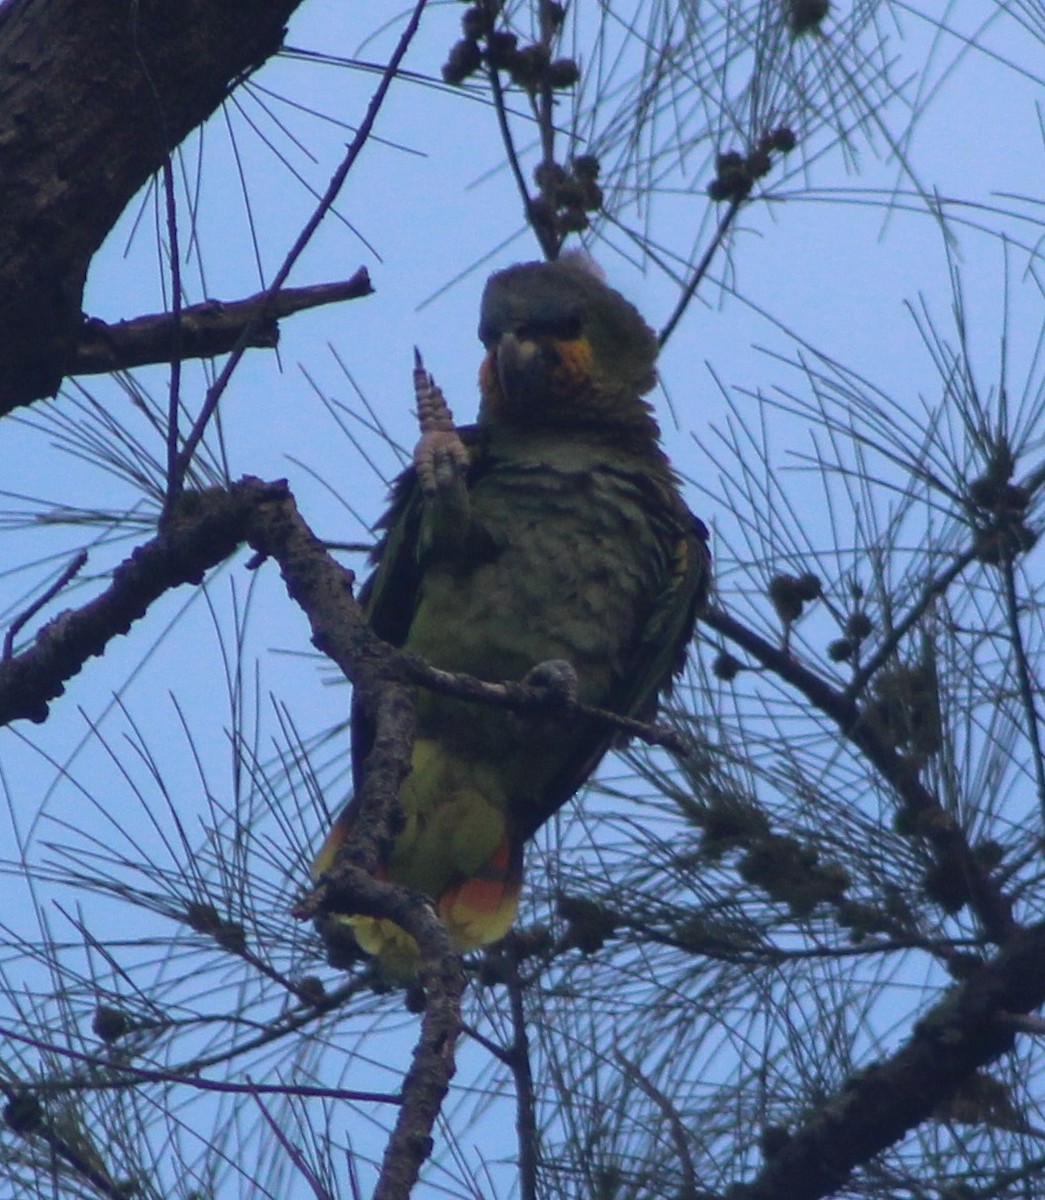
433,1064
129,1074
679,1136
203,533
700,270
77,564
971,1027
1029,686
207,329
536,698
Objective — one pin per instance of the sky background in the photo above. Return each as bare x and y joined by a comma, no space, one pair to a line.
827,264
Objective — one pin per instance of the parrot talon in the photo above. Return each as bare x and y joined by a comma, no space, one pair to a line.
440,457
557,680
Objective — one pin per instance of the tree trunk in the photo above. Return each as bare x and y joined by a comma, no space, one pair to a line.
93,95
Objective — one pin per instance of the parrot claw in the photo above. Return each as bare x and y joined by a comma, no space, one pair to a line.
440,460
557,679
440,457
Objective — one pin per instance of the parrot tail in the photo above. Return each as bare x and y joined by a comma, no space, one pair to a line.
477,909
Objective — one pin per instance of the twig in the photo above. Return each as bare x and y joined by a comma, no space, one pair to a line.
517,1057
935,587
293,1152
679,1137
174,392
690,290
1024,681
107,1076
25,1116
20,621
543,104
548,247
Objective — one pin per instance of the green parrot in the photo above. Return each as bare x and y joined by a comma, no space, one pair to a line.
546,542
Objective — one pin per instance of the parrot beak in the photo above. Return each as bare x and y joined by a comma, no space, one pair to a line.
516,360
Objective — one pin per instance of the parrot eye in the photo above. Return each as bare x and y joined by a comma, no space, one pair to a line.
566,328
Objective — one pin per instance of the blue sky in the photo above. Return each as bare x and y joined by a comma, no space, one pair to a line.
825,258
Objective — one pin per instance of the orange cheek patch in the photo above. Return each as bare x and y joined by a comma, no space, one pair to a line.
574,383
574,368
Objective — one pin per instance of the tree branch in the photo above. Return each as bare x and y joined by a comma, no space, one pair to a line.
875,1107
938,827
700,270
206,530
206,329
539,699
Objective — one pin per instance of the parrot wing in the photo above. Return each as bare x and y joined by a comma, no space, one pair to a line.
389,596
650,665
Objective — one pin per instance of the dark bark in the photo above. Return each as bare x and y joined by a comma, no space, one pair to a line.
93,96
969,1028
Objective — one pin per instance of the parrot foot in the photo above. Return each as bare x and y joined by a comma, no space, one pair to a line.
555,676
557,679
440,457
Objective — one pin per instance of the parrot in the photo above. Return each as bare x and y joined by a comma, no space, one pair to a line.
547,543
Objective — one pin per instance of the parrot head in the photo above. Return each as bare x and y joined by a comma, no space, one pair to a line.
563,350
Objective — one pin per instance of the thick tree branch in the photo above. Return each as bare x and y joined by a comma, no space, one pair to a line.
968,1029
94,94
433,1064
323,589
204,330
